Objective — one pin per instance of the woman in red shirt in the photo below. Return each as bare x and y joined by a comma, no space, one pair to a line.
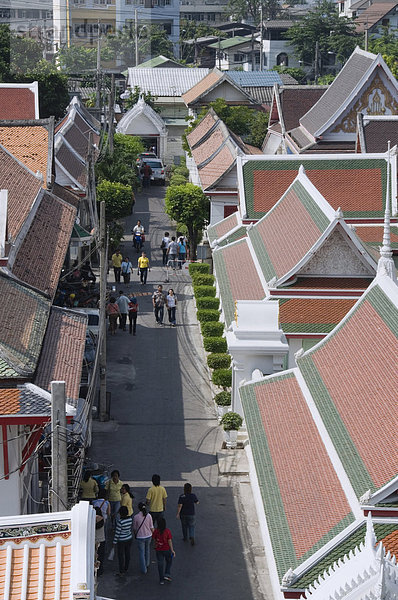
164,550
113,312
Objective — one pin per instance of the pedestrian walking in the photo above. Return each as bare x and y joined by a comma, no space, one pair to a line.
100,539
146,173
143,529
127,269
103,504
171,301
156,499
182,252
133,313
138,232
113,312
88,487
126,498
186,513
143,267
123,538
123,304
172,252
117,259
164,550
164,246
112,488
158,301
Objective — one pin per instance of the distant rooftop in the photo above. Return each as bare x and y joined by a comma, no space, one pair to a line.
255,78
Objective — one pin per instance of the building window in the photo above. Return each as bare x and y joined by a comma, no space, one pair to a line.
211,17
282,59
385,23
341,5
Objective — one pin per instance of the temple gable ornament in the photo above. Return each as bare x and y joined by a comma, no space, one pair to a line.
377,100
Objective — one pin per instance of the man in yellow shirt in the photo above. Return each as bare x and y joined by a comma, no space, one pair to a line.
143,266
117,259
156,499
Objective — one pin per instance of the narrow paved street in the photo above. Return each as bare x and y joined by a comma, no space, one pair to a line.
163,421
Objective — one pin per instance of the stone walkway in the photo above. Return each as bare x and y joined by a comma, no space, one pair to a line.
163,421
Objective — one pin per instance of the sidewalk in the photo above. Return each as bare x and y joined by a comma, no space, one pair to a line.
163,421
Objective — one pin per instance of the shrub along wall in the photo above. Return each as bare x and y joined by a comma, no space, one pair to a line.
219,360
212,329
204,291
208,302
215,344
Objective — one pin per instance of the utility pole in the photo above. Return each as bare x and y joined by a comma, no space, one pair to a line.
195,60
253,55
103,413
111,128
366,39
98,93
59,470
136,37
316,74
219,53
261,38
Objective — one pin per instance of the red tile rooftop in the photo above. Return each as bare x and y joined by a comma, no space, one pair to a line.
224,226
312,497
293,223
208,147
349,189
314,310
242,274
358,366
9,401
201,87
29,145
375,234
333,283
200,130
17,103
216,167
390,543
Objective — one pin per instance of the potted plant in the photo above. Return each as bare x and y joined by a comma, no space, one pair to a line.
223,403
231,422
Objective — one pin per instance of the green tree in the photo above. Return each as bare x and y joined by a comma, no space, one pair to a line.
298,74
192,30
25,53
152,41
387,46
189,205
147,96
118,198
334,34
121,166
250,9
53,89
77,59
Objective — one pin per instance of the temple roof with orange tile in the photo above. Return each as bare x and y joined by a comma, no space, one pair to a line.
356,185
201,87
205,150
62,353
17,103
202,129
312,315
216,167
218,230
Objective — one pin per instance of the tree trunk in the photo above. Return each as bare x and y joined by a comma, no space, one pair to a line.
193,240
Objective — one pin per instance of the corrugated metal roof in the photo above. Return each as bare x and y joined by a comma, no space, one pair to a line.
165,81
255,78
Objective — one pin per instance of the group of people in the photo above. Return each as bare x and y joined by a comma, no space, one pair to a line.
115,518
174,252
121,308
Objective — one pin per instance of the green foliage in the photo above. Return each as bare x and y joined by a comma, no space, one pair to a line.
250,10
191,30
77,59
53,89
134,97
189,205
387,46
207,315
222,377
215,344
223,398
118,199
219,361
197,267
299,74
324,25
116,234
177,180
212,328
121,166
201,291
242,120
326,79
25,53
181,170
202,278
152,41
231,421
208,302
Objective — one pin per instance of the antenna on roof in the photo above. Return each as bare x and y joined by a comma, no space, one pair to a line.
386,265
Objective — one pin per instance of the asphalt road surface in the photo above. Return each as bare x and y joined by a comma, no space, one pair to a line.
163,421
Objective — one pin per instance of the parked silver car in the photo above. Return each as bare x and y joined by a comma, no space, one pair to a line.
158,170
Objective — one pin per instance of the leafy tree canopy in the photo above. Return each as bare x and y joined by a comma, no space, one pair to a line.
121,166
298,74
152,41
188,204
334,34
387,46
77,59
118,199
242,10
147,96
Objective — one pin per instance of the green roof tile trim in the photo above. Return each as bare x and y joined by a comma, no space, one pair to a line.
358,536
262,254
282,543
227,301
7,372
275,165
346,449
212,229
235,236
310,206
307,327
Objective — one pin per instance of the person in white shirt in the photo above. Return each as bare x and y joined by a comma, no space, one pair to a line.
123,304
127,269
171,307
165,246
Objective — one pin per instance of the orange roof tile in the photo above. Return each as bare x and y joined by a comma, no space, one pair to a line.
29,145
9,401
214,169
390,543
375,234
201,129
333,283
201,87
17,103
314,310
208,147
